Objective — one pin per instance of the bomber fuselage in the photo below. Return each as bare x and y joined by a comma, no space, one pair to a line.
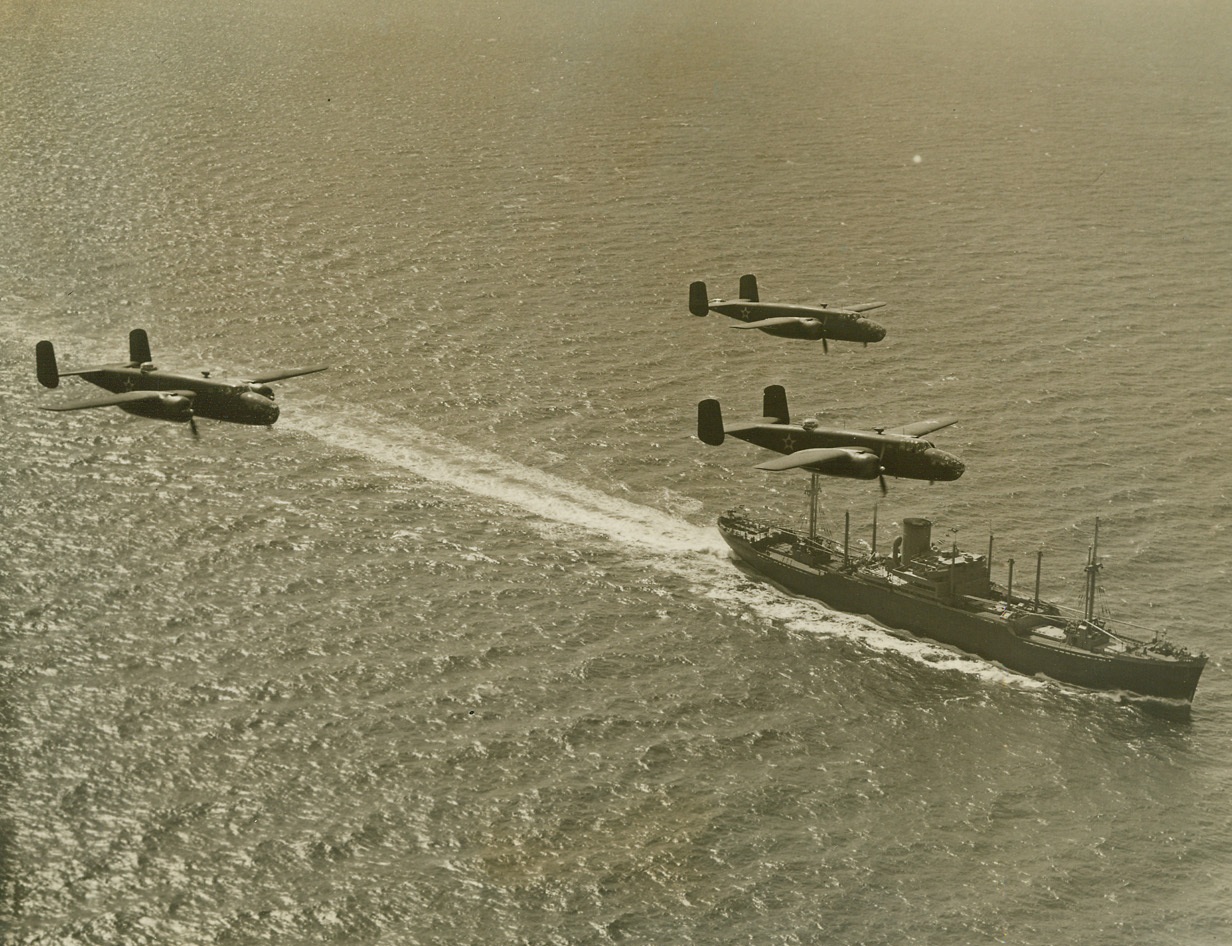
235,401
837,324
908,457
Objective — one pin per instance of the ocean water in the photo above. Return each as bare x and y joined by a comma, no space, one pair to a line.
453,653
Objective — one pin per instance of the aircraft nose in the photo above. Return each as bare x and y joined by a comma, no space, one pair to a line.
876,331
255,409
946,465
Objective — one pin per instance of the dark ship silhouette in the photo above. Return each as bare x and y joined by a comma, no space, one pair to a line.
948,596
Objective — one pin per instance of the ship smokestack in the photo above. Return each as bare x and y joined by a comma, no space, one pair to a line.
917,538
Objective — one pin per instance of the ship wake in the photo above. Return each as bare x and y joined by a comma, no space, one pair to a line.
694,553
489,476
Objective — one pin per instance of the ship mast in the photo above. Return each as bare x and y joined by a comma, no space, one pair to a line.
1092,571
814,492
1039,568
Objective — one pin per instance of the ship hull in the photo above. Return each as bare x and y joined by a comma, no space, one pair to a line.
981,633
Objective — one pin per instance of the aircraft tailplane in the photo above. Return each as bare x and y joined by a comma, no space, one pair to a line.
45,365
699,302
709,422
139,347
774,404
748,288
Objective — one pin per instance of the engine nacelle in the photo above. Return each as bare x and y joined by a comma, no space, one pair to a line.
172,407
851,465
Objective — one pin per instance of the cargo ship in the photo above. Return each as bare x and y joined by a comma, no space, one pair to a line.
948,596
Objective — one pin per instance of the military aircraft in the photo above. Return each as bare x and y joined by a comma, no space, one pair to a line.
832,451
140,388
845,324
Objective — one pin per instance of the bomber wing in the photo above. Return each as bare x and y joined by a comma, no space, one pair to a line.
921,427
781,320
282,375
817,458
131,397
857,308
852,462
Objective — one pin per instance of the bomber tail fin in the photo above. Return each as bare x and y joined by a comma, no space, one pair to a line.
699,302
45,365
709,422
748,288
139,347
774,405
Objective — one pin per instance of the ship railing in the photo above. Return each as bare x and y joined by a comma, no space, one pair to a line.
1020,605
1101,625
1157,644
789,560
762,536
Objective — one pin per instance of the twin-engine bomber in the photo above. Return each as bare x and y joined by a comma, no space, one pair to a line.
833,451
841,323
138,387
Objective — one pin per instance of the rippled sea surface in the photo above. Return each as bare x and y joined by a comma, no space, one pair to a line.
453,653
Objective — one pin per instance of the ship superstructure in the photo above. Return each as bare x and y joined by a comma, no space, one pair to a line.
947,595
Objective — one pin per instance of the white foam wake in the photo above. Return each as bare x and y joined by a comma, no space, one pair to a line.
481,473
556,501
